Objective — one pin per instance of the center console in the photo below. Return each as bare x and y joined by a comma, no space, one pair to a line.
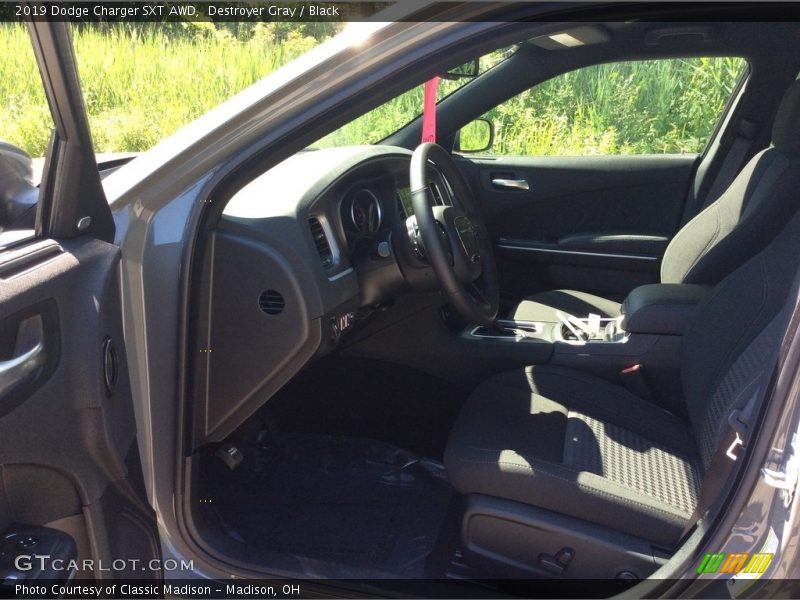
662,308
647,336
568,329
656,309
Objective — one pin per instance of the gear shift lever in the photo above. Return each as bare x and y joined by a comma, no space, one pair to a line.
502,328
516,329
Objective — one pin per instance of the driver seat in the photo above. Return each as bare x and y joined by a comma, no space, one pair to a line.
548,454
719,239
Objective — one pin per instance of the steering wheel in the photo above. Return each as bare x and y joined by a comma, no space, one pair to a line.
456,242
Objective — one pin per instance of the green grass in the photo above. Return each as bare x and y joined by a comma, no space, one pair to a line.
389,117
378,123
645,107
24,116
141,83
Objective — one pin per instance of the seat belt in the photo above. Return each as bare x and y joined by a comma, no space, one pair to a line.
746,132
719,470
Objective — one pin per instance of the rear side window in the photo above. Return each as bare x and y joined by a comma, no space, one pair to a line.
638,107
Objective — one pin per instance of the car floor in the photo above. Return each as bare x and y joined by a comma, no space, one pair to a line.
374,399
328,499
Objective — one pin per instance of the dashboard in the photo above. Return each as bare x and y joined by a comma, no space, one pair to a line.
345,210
355,192
302,254
331,214
371,201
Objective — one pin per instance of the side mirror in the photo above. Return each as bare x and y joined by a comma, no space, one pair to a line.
476,136
468,70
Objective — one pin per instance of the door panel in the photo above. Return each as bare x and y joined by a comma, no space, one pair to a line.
68,456
598,224
70,475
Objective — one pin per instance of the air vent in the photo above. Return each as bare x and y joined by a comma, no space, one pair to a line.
321,242
271,302
437,195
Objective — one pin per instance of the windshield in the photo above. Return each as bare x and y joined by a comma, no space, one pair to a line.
384,120
142,81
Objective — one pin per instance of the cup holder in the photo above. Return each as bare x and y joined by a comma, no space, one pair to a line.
594,328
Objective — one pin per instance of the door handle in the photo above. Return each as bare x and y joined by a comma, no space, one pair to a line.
29,356
511,184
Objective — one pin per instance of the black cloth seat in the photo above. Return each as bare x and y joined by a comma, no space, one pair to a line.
542,307
739,224
577,445
572,443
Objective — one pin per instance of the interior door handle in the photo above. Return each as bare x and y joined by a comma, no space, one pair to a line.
511,184
29,357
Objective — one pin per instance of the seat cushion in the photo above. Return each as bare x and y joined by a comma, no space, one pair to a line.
578,445
543,306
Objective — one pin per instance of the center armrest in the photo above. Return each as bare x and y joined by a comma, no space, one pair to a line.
661,308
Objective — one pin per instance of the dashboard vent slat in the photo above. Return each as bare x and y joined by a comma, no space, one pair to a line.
437,195
321,242
271,302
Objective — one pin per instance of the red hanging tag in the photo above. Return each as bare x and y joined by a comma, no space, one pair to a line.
429,110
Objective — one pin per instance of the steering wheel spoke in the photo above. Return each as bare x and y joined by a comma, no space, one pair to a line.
462,258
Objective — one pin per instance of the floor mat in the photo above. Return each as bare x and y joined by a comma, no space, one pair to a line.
350,396
352,507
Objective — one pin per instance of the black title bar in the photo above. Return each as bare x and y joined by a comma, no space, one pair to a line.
343,11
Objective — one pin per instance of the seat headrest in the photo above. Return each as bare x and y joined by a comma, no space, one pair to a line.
786,128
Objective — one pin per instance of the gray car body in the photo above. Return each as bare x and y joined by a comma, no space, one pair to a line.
159,199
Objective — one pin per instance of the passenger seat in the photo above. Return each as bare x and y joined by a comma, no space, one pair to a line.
562,465
741,223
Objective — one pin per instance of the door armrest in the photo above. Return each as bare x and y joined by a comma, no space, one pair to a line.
626,243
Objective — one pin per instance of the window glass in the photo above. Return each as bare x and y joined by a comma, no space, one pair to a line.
637,107
25,119
144,81
384,120
25,129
